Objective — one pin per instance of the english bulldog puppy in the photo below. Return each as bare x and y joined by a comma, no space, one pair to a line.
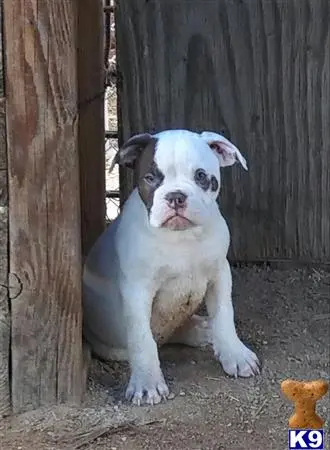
165,254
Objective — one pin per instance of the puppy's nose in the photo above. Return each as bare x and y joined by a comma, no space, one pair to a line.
176,199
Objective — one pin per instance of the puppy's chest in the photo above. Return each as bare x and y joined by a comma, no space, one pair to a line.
179,285
179,296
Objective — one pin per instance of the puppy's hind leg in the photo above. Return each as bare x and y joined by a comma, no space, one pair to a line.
103,351
195,332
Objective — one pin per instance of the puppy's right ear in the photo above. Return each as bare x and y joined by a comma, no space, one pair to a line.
131,150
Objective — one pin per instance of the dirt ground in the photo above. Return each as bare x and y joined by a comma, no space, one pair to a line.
283,315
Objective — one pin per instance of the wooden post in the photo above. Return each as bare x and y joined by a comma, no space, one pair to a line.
4,300
91,119
44,201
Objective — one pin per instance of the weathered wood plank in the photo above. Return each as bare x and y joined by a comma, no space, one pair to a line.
4,300
260,72
91,120
44,209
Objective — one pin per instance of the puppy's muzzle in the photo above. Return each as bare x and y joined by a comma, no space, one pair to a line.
176,200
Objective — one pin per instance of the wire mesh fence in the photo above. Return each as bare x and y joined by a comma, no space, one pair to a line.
110,113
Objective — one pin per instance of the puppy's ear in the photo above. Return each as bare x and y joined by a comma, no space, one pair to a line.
226,152
131,150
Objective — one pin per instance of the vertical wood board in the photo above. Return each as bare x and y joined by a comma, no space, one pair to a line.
91,120
4,300
44,210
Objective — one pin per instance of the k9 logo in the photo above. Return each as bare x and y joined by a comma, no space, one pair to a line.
306,439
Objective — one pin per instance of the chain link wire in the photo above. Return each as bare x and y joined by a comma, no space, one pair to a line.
112,194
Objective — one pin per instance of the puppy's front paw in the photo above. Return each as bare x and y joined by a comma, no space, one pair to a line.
237,360
147,388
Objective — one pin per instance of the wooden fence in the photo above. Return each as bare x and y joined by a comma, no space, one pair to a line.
52,161
4,303
258,71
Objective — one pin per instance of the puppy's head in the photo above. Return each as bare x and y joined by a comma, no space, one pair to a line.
179,174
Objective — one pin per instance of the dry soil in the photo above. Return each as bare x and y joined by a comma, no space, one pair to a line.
283,315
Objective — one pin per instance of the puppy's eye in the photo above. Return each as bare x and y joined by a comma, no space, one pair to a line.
201,179
149,178
200,176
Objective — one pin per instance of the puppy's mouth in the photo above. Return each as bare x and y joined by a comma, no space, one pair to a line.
176,222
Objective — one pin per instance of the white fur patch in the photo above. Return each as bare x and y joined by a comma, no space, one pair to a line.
179,154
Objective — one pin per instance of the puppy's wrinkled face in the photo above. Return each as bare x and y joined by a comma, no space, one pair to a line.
179,174
179,180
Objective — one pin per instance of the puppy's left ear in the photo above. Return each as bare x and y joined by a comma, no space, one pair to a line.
226,152
131,150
